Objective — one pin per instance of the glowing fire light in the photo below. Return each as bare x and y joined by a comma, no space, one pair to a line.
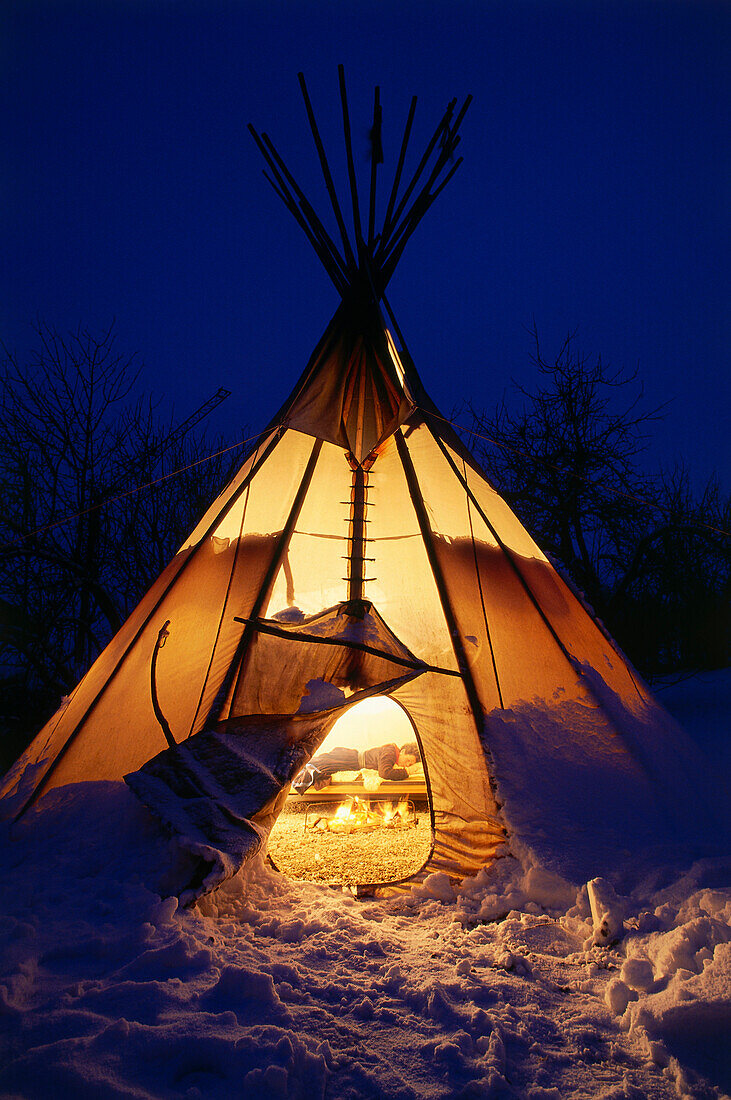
357,815
396,816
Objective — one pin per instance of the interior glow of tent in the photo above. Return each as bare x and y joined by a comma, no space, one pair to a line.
374,721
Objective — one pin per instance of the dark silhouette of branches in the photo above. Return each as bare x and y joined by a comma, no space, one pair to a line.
75,555
648,552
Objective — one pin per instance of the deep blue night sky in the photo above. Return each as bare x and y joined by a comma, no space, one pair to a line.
594,193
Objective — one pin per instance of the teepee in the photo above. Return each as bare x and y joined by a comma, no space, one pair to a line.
360,551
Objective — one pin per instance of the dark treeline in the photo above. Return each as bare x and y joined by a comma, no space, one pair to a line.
77,547
648,551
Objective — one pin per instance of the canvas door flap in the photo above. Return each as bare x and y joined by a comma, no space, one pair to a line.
217,790
222,789
319,662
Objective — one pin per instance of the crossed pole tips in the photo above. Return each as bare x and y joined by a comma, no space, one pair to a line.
373,255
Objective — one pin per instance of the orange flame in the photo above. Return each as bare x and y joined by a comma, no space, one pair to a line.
356,814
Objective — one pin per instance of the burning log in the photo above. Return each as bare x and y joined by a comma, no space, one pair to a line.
358,815
399,817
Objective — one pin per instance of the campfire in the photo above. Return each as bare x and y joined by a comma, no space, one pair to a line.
364,841
358,815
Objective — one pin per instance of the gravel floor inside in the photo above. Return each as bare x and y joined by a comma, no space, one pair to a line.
380,855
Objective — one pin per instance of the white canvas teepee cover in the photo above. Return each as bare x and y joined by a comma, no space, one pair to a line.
512,688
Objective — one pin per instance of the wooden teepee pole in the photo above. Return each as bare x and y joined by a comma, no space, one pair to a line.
349,256
359,244
376,159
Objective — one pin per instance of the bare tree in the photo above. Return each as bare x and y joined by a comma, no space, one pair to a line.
674,600
78,544
569,462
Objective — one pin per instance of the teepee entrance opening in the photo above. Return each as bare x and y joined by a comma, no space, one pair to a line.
359,812
375,721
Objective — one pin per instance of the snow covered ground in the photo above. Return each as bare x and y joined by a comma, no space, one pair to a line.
521,985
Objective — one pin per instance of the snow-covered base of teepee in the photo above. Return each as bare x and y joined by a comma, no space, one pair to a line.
275,989
586,783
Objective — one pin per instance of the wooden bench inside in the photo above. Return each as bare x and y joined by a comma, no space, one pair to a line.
338,792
